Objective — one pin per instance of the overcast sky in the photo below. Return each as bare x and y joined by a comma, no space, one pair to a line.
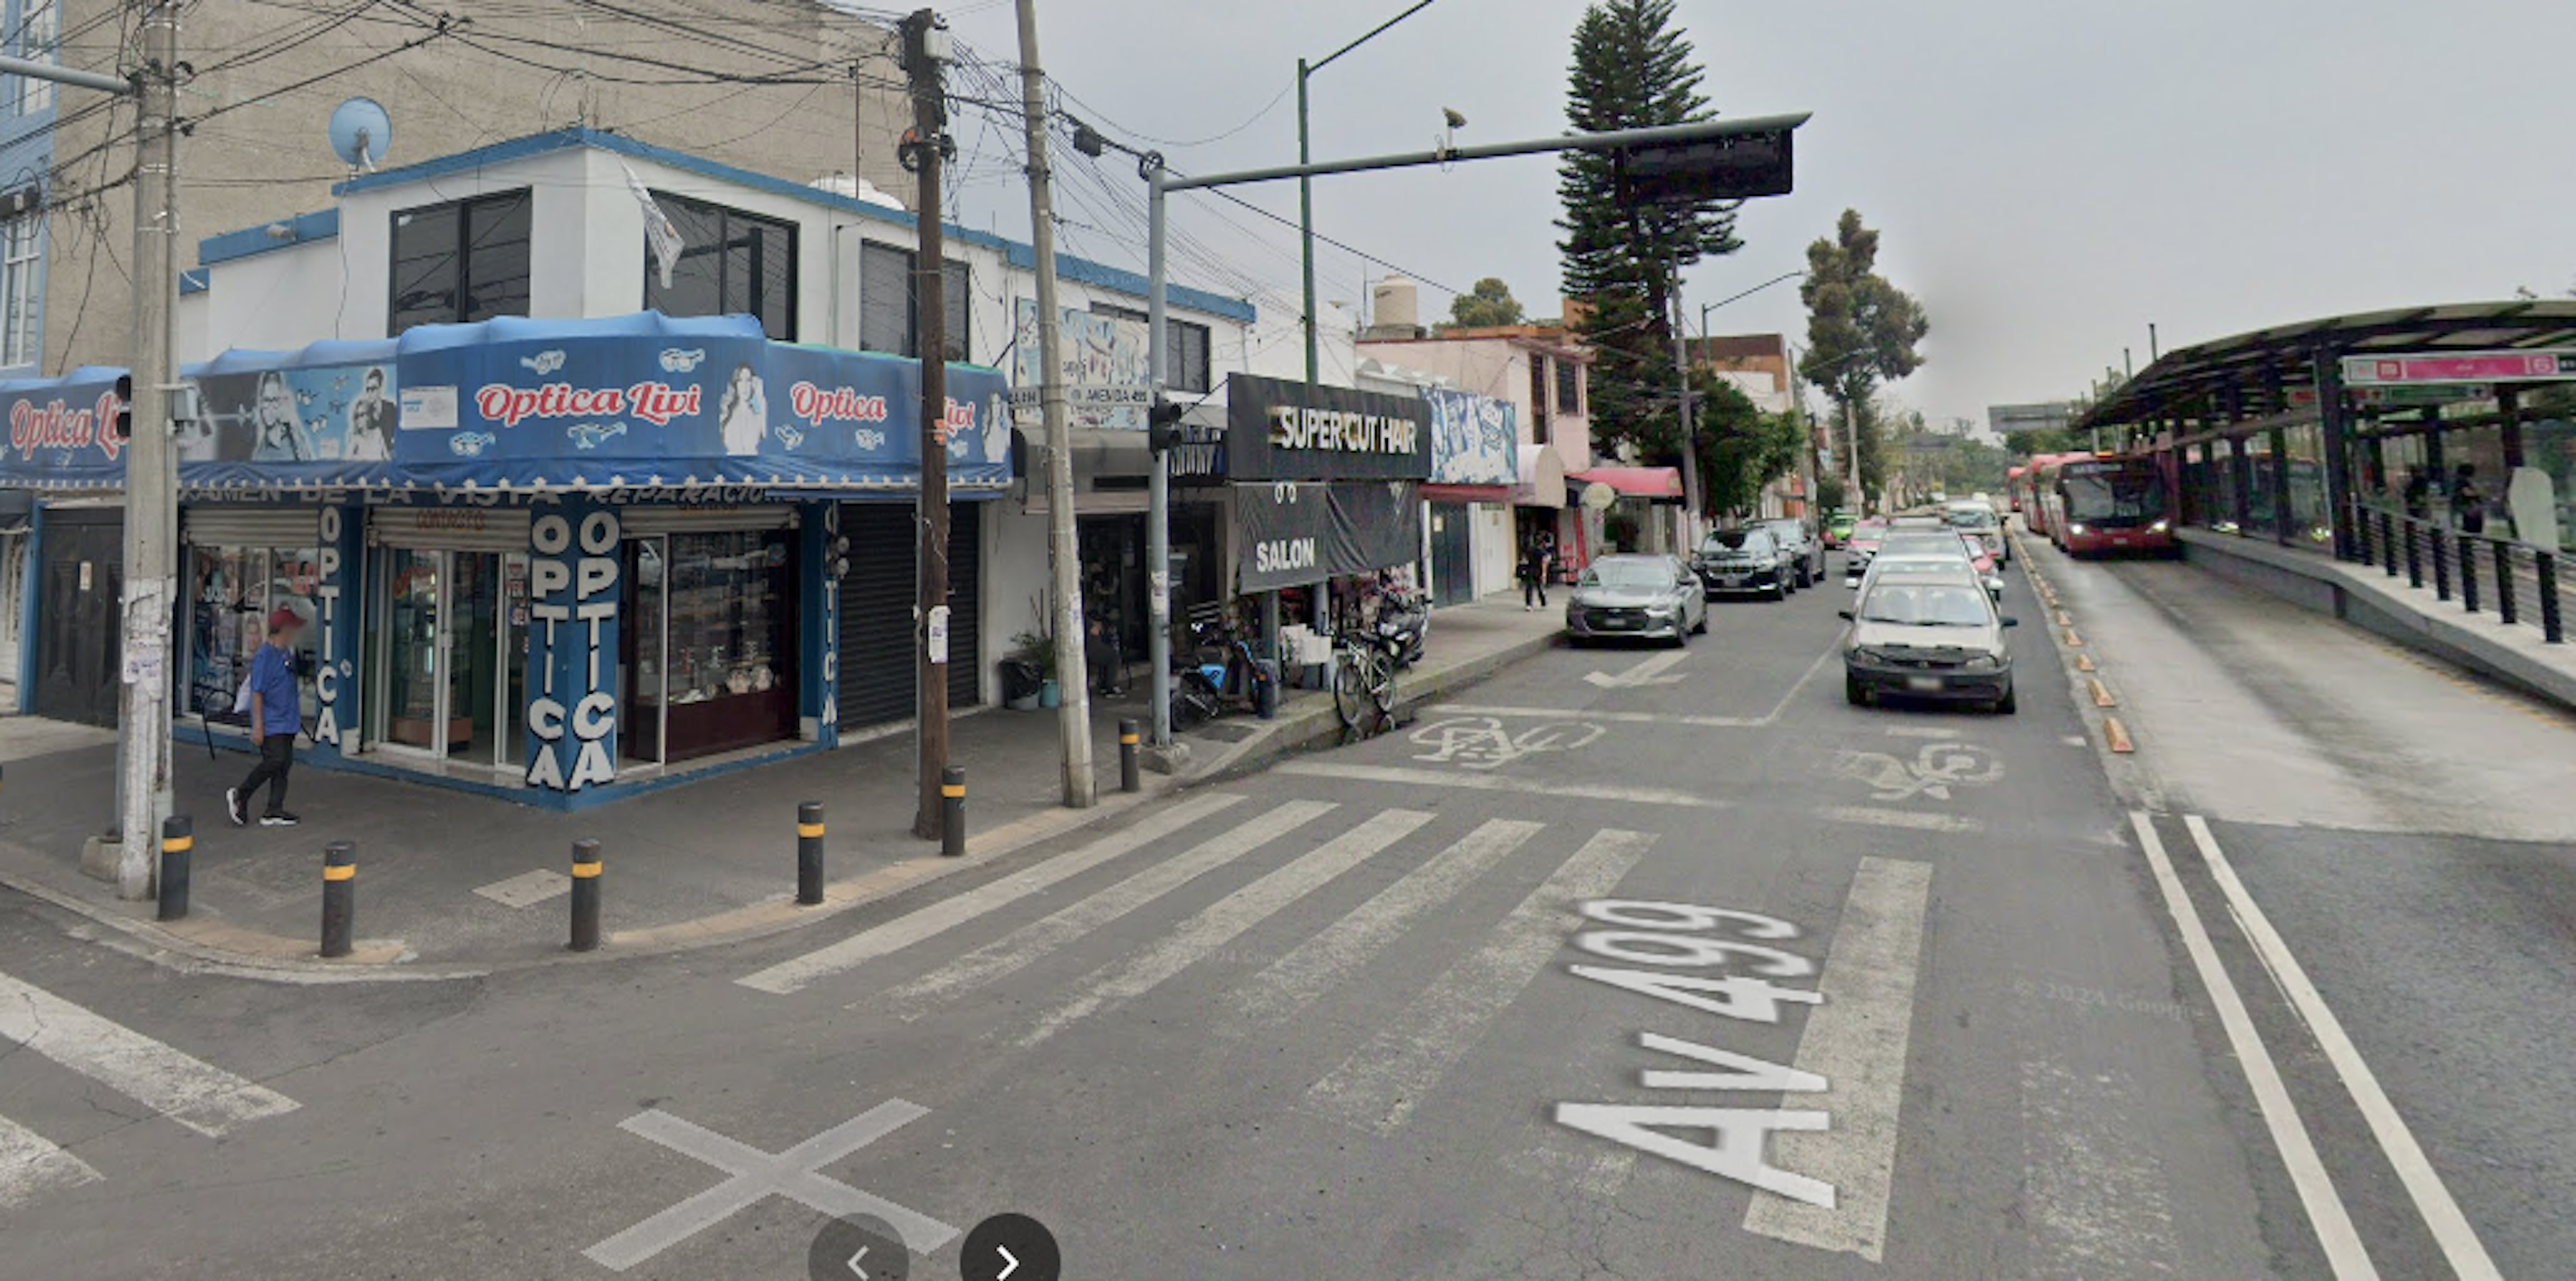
2049,176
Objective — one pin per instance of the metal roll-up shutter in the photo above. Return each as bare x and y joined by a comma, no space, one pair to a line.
639,522
464,529
965,597
251,527
876,615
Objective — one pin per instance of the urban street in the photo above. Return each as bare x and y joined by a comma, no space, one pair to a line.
1607,966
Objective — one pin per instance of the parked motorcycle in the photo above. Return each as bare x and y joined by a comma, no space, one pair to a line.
1402,619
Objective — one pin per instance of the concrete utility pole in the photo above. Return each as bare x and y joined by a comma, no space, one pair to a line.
1064,554
151,484
1851,430
1158,490
1690,422
926,52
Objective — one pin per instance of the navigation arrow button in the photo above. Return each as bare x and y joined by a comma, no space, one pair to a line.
1009,1247
1010,1261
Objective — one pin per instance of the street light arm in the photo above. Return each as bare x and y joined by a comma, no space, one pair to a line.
1707,307
1305,71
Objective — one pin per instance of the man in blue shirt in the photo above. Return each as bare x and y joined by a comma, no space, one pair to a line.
276,715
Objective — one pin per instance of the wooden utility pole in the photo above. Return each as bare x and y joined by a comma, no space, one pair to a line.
1064,552
926,54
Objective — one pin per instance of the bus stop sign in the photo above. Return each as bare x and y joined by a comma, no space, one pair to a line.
2419,368
1692,173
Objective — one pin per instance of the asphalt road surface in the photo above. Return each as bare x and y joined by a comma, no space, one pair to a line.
1621,964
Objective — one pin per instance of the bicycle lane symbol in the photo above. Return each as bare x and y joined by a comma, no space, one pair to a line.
1934,771
1481,742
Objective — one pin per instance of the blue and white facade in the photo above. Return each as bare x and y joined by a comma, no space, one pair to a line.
581,546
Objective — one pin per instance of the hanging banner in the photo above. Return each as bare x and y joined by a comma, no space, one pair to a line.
648,403
61,432
1103,361
1475,440
1293,533
1273,433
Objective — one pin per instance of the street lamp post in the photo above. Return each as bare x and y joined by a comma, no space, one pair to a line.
1306,184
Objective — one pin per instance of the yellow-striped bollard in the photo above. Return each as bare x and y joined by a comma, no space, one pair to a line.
339,897
809,853
1129,777
178,837
585,896
952,811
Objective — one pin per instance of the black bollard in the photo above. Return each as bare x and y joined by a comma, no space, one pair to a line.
339,896
1128,739
809,853
585,896
952,811
178,837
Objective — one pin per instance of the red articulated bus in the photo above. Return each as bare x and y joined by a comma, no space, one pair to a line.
2037,483
2110,503
2013,486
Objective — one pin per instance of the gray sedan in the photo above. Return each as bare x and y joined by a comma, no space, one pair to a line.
1636,595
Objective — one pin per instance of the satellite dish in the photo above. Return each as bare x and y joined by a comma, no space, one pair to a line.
360,132
1598,497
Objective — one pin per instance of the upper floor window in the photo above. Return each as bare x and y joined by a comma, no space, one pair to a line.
21,289
461,262
1569,387
1186,342
731,263
889,320
39,27
1539,416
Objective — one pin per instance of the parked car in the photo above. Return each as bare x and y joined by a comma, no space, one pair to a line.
1805,552
1863,543
1747,561
1838,528
1976,518
1927,635
1926,562
1636,596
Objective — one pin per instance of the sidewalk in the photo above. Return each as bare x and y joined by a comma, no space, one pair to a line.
451,883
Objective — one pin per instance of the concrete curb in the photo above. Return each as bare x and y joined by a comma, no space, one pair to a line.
205,943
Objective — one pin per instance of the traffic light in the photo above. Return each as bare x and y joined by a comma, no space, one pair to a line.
1163,426
123,427
1693,173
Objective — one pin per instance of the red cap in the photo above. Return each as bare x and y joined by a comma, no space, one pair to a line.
284,619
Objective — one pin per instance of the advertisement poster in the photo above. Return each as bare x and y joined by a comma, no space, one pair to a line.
1474,439
1107,368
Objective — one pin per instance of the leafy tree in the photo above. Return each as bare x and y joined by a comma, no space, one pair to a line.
1631,70
1490,303
1861,332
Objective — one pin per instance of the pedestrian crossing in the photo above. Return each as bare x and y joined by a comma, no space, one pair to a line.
168,1082
1387,875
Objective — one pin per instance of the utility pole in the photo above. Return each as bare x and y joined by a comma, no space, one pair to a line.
926,51
1851,429
1064,554
151,487
1158,485
1690,424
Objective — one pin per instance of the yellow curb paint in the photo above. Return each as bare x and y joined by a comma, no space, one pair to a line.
2102,694
2118,735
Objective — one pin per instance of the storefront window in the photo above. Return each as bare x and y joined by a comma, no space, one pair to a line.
232,591
712,659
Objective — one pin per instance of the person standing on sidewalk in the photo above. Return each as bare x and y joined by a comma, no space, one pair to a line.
1537,560
276,716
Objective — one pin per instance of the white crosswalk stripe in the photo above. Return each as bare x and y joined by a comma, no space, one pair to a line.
1328,959
1220,924
796,973
1381,1085
170,1082
31,1165
193,1093
1037,939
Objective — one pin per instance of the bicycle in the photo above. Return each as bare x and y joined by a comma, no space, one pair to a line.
1364,666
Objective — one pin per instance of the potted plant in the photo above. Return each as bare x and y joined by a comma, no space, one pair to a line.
1030,670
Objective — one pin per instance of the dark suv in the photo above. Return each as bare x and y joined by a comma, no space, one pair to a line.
1797,542
1744,562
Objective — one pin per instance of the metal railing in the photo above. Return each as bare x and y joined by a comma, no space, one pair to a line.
2481,570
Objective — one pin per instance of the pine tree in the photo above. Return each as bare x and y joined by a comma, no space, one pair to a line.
1631,70
1861,331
